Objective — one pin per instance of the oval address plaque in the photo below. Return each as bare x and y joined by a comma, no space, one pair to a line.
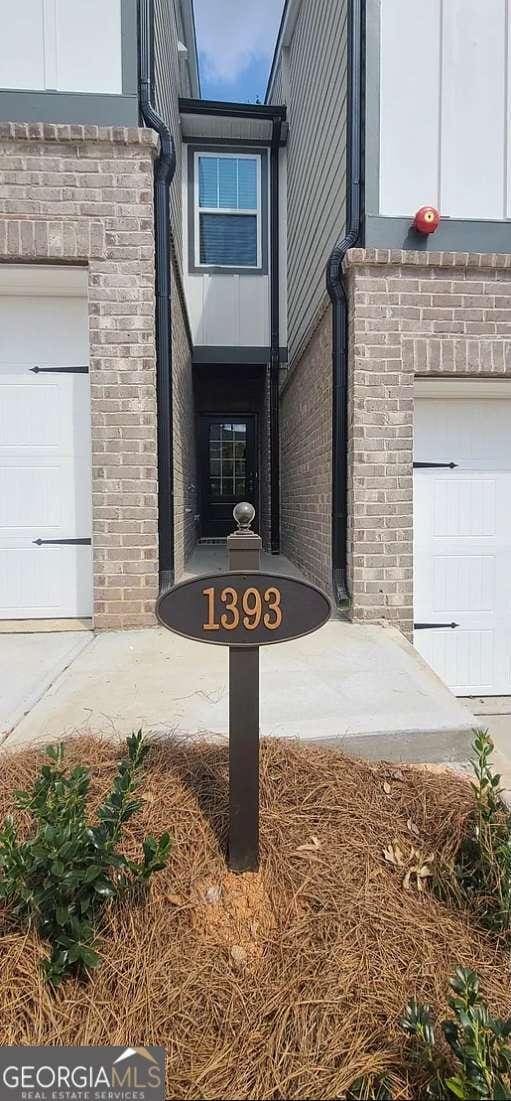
243,609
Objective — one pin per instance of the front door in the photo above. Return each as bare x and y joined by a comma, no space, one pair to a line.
228,470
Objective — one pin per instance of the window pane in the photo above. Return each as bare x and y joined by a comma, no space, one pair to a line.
228,239
228,182
247,183
208,181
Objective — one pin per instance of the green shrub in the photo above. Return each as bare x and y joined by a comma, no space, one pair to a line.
60,878
477,1060
482,871
477,1042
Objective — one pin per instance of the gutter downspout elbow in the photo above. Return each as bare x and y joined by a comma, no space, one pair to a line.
338,296
164,174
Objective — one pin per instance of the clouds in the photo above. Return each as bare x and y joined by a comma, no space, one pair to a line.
232,34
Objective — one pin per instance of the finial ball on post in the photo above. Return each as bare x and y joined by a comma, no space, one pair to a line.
243,514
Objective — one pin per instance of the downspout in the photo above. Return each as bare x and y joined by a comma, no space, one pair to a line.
338,294
275,334
164,172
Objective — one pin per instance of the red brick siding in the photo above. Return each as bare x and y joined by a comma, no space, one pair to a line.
306,443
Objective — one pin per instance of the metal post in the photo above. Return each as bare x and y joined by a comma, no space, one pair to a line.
244,550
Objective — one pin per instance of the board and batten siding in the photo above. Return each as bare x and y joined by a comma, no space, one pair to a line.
61,45
445,101
311,80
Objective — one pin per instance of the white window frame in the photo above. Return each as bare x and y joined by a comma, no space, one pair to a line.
257,211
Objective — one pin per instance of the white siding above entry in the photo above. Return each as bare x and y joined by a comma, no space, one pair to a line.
61,45
445,107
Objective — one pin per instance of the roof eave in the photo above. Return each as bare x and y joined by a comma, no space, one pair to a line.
188,21
286,29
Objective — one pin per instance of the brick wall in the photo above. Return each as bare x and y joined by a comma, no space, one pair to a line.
306,448
83,194
411,313
185,460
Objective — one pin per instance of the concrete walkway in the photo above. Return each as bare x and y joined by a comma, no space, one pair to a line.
362,685
29,663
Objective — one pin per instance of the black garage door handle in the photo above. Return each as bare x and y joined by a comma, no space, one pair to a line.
82,370
427,466
63,542
433,626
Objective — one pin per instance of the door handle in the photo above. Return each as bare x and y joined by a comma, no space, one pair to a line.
433,626
62,542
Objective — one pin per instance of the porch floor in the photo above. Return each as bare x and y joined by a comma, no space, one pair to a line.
212,558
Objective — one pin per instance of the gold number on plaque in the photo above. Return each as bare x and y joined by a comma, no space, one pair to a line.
230,606
210,625
275,607
252,606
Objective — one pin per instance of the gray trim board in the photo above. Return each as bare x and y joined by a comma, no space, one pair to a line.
79,107
129,47
201,147
232,356
452,235
372,111
242,143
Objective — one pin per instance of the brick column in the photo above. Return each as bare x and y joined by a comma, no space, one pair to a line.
380,458
432,314
84,195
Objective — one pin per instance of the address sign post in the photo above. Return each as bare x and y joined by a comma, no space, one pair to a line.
244,609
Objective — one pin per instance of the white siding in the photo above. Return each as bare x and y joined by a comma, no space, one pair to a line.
312,81
224,310
444,107
65,45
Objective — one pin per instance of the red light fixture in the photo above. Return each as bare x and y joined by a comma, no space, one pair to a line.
427,220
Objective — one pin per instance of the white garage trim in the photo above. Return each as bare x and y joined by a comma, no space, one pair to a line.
43,279
462,387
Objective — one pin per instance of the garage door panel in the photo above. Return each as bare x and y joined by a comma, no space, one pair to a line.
464,583
42,415
30,496
462,542
463,658
466,430
42,498
45,582
464,507
45,458
41,331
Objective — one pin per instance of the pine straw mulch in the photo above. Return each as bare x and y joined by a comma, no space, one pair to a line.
285,984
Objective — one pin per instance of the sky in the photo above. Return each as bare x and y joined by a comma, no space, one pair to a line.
236,40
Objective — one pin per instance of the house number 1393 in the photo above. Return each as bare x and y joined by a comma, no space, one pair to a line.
255,606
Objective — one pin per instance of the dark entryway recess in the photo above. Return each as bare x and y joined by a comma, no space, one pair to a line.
229,469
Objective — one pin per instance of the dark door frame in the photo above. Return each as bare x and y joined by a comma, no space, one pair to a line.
229,415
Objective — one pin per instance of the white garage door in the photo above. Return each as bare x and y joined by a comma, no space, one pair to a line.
45,450
462,535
